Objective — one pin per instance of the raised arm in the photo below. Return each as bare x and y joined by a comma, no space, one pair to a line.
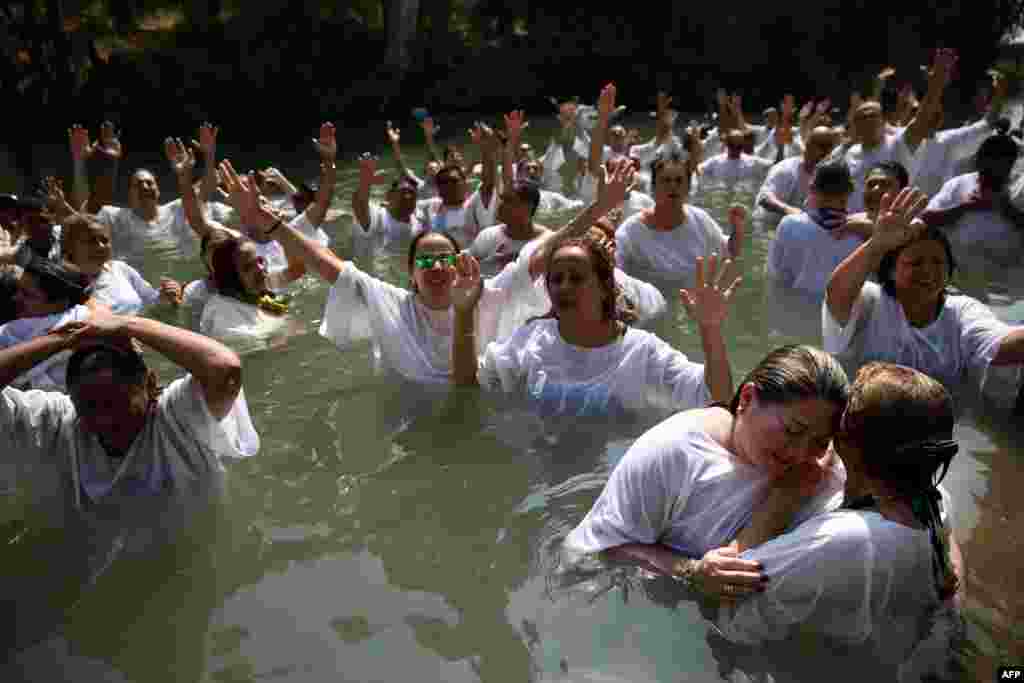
81,152
1011,348
368,176
427,125
938,79
20,358
611,193
513,132
207,144
466,292
395,139
257,215
878,85
216,368
893,228
107,154
605,106
327,148
708,304
182,162
489,160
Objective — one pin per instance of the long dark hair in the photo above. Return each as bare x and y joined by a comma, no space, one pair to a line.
225,268
602,255
60,282
901,421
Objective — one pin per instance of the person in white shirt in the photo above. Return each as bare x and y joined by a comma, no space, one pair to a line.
734,166
390,227
663,243
941,152
866,580
146,223
453,212
874,144
499,245
86,243
910,318
785,189
688,487
805,251
582,358
412,331
977,210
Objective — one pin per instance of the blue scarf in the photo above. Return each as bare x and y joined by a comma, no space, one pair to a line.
829,219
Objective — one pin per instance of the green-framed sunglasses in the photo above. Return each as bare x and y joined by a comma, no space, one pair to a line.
426,262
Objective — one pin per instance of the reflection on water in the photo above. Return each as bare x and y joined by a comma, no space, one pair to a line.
389,532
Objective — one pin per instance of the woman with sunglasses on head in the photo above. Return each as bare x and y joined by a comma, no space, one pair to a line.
909,316
870,578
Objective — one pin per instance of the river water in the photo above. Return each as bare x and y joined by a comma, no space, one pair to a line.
396,533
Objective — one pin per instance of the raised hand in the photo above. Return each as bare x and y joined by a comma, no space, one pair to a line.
1000,86
207,143
368,173
806,110
617,182
893,226
428,127
664,103
515,121
181,157
606,103
943,64
826,104
109,144
245,196
81,148
56,201
394,135
886,73
708,304
468,286
327,145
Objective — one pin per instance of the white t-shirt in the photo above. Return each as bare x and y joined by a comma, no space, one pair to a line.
937,155
120,287
132,236
410,339
636,201
860,161
384,232
850,577
48,375
638,373
803,254
463,223
965,336
769,149
656,255
789,182
985,234
495,249
273,253
722,170
49,457
218,211
678,487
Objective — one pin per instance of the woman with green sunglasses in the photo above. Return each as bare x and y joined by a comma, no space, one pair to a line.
412,331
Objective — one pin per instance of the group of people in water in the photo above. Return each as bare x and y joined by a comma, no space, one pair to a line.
796,500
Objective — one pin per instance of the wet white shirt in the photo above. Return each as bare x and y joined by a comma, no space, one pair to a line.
979,234
938,155
729,172
495,249
120,287
636,373
48,375
656,255
803,254
384,232
965,336
463,223
860,161
789,183
678,487
132,236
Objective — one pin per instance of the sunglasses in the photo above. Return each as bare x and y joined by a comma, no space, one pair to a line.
428,261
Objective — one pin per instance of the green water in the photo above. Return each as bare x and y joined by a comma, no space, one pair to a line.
389,533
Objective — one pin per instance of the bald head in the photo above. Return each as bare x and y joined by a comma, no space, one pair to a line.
820,143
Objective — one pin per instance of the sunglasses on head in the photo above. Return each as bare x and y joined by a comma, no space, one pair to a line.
427,261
